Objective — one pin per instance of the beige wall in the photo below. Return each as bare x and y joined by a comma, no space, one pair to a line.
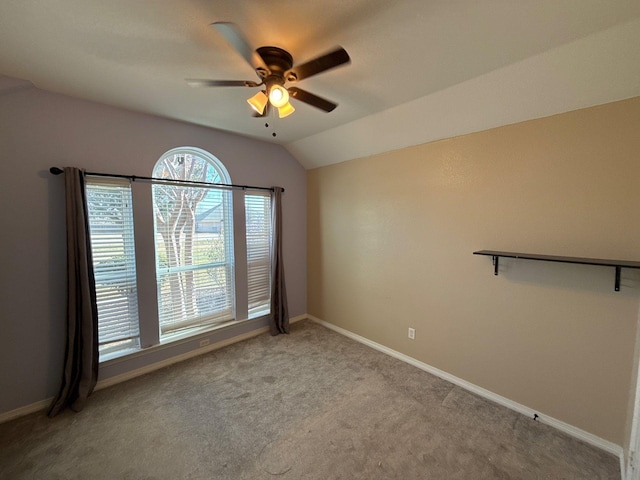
390,242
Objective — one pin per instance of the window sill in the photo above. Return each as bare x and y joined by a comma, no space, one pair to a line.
107,357
177,339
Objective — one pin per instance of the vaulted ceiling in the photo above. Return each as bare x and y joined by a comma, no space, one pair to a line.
420,70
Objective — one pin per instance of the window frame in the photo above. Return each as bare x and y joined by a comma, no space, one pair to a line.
110,310
183,315
259,257
145,260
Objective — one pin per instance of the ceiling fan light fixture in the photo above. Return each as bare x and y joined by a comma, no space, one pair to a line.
258,102
278,96
275,67
286,110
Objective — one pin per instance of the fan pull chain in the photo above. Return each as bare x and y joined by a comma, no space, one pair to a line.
273,134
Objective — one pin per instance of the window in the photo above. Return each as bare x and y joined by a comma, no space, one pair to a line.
112,245
258,221
194,246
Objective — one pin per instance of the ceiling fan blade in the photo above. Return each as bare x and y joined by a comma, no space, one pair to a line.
322,63
196,82
311,99
233,36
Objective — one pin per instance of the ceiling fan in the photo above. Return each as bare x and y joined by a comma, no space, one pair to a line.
274,67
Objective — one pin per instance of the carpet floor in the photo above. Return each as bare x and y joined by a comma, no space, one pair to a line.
309,405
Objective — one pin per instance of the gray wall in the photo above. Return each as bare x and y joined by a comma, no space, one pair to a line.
38,130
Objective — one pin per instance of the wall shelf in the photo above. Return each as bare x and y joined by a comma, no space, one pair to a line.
617,264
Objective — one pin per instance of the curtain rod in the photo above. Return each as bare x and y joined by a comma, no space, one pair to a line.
58,171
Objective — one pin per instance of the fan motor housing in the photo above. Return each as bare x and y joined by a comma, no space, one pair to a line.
277,60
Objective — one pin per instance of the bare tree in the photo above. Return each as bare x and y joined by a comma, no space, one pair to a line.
175,213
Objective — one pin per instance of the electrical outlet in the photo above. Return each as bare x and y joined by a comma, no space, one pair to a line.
204,342
412,333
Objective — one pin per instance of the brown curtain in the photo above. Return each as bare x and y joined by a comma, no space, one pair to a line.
279,318
81,354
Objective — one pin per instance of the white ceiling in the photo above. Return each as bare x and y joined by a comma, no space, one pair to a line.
421,69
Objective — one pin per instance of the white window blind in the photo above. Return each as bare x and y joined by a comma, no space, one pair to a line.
112,245
194,267
258,222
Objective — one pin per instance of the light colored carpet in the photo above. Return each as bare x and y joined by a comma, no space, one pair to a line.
312,405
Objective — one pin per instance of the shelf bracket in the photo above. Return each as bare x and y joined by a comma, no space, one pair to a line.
617,264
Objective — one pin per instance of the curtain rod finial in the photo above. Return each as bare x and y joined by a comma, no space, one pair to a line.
56,170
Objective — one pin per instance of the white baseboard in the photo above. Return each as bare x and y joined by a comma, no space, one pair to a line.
494,397
108,382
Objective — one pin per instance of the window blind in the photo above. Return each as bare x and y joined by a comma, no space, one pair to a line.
112,246
258,222
194,267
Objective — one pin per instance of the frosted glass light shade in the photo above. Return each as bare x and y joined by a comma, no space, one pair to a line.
258,102
278,96
286,110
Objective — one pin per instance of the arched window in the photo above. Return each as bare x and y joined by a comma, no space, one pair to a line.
193,164
193,241
202,283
